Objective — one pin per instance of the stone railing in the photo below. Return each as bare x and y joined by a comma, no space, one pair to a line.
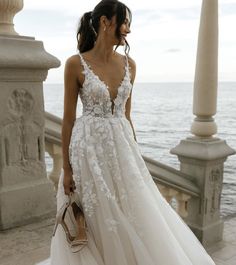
176,187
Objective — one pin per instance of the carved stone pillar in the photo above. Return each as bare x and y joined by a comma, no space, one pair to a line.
204,160
202,156
25,192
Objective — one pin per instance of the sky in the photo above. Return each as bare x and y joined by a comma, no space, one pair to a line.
163,38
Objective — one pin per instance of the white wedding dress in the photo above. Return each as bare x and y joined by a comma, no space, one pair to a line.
129,221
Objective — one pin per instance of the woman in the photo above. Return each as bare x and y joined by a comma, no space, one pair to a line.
129,222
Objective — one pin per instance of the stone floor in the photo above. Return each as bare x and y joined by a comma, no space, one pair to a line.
224,252
30,244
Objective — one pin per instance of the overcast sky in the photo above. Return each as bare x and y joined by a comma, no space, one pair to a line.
163,36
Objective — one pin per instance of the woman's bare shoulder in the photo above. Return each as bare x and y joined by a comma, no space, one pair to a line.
73,61
74,68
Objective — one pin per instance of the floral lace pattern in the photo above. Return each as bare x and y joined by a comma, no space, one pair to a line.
112,225
89,198
96,151
95,94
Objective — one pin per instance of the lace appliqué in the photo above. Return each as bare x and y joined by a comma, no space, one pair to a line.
111,224
95,95
92,142
89,197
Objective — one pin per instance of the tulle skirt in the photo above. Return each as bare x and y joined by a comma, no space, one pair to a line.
129,221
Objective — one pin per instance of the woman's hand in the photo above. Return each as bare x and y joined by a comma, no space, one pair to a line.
68,182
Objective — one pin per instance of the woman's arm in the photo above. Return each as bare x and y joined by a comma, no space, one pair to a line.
71,89
132,65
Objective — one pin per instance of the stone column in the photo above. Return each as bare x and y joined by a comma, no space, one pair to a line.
206,73
25,192
203,155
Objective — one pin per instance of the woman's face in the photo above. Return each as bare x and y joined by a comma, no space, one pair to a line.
124,29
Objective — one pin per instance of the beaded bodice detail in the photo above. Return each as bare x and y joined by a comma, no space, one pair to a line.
95,94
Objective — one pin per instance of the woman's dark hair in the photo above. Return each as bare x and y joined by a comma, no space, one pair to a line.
89,23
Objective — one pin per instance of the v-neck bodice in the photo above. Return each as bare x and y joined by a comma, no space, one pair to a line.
96,96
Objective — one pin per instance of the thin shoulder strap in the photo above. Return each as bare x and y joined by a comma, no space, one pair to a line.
126,60
127,66
86,67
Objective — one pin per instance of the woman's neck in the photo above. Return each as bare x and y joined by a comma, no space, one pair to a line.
103,51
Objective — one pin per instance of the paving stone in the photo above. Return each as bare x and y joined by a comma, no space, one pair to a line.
225,253
231,261
30,244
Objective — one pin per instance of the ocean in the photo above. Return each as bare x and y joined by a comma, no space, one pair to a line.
162,115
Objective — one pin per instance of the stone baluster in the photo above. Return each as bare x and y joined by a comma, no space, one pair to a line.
167,192
55,152
182,199
8,9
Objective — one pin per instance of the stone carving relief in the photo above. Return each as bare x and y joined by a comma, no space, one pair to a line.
215,186
21,137
20,103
